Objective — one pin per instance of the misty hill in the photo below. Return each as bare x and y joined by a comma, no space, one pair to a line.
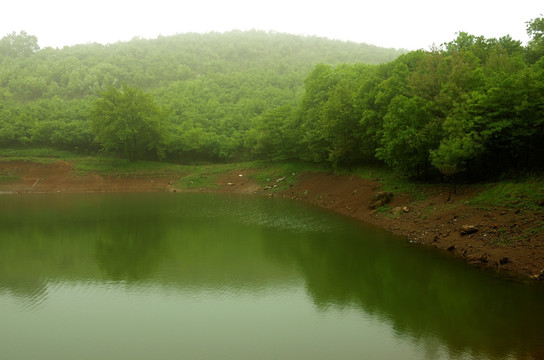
82,70
472,104
214,87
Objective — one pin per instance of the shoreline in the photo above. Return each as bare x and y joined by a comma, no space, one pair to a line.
467,232
499,238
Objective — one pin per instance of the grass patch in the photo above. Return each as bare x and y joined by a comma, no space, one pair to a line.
37,154
282,175
525,194
429,210
37,160
207,176
370,172
386,210
8,178
390,181
195,181
105,165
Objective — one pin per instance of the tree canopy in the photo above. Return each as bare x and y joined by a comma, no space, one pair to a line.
215,89
127,121
472,106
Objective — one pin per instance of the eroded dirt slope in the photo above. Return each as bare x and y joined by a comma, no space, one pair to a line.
502,238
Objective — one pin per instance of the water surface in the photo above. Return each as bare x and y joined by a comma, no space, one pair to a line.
216,276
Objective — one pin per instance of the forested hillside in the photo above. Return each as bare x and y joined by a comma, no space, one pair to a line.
211,88
473,106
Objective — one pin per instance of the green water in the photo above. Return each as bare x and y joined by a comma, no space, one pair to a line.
208,276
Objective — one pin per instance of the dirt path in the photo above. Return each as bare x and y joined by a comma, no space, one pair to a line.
500,238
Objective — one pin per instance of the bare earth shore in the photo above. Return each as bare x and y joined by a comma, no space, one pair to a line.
500,238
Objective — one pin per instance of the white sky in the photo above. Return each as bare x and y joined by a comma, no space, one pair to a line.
410,24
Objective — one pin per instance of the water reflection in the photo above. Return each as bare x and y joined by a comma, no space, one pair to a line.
29,293
131,248
209,244
422,294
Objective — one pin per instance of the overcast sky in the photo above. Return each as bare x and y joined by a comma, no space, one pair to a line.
415,24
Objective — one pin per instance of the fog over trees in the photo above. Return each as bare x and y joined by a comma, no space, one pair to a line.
472,106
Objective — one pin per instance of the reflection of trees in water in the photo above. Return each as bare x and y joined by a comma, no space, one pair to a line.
422,295
30,293
418,293
130,248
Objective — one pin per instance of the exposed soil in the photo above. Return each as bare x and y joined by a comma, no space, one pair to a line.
60,177
505,239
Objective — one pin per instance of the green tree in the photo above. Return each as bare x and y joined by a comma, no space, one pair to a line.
453,155
535,47
275,135
342,127
128,121
18,45
410,131
317,85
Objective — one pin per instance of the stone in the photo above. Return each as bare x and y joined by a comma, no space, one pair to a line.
468,229
380,198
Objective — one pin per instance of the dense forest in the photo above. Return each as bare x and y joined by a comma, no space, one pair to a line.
472,106
212,89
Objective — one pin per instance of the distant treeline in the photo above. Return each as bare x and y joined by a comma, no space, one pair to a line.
472,106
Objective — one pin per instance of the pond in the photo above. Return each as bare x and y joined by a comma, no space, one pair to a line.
222,276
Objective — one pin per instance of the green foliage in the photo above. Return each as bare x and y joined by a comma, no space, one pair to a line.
525,193
219,90
127,121
275,134
473,107
410,131
19,45
535,47
453,154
